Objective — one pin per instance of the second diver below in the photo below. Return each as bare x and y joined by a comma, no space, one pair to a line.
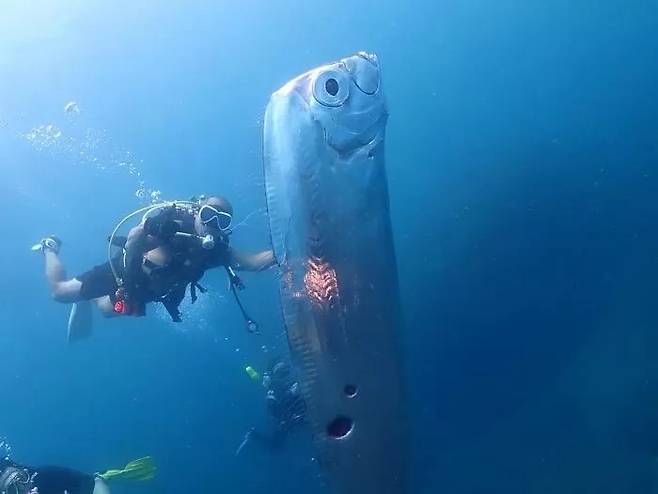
169,250
284,404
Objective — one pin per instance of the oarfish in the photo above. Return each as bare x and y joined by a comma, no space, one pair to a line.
328,206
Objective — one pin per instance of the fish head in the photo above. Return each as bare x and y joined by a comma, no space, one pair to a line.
346,99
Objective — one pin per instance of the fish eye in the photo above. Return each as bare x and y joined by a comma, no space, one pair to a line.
331,87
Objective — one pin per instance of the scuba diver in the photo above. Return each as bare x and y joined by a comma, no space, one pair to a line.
169,250
19,479
284,405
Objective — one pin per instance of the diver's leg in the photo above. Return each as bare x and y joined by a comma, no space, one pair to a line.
106,306
55,271
100,486
253,435
62,290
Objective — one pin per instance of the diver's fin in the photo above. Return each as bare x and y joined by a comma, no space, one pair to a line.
137,470
80,321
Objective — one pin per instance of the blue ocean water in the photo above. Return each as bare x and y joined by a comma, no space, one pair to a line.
521,154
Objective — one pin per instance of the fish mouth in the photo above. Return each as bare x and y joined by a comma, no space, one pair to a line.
364,142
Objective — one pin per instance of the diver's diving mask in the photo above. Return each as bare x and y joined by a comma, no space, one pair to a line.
210,215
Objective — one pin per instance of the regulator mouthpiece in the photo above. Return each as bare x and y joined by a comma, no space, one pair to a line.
208,242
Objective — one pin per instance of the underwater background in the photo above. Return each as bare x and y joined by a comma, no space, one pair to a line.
522,148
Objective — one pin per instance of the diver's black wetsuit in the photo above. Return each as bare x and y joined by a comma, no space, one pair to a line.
188,264
52,479
99,281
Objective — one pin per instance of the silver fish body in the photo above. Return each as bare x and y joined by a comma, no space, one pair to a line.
328,206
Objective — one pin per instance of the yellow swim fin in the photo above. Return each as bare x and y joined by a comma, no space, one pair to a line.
137,470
